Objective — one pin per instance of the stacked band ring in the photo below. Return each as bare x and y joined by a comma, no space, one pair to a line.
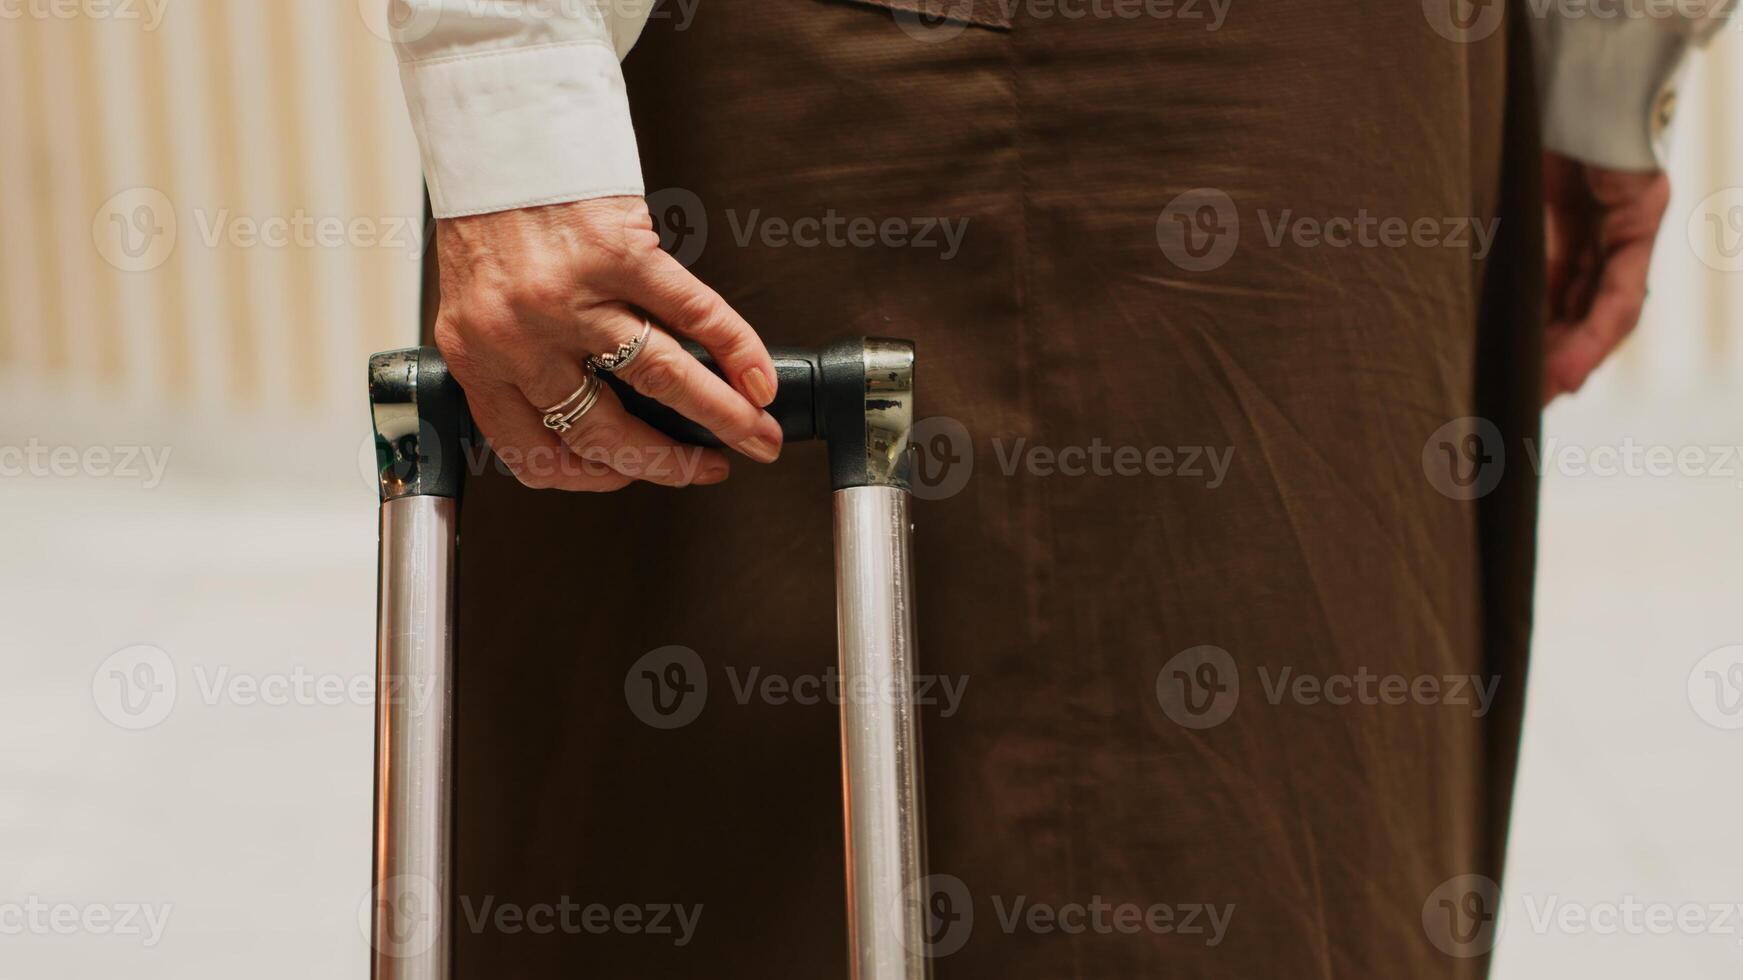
562,416
626,352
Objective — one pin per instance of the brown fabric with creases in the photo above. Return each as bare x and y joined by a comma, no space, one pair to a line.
1327,548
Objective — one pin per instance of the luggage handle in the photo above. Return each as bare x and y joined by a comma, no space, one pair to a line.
857,395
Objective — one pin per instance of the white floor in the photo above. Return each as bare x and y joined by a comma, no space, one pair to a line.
248,812
1626,792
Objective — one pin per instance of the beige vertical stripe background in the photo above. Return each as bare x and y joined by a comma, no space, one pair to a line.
274,131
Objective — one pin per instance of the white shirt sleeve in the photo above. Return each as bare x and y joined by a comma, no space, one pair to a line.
1608,79
519,104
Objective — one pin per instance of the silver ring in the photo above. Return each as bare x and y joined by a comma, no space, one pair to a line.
626,352
562,416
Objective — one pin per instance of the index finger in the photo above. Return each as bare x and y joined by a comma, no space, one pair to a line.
682,303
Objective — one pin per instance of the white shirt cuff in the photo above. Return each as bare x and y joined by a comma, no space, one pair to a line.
522,127
1608,89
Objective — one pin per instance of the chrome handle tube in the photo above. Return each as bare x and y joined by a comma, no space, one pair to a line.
413,740
874,600
420,420
880,737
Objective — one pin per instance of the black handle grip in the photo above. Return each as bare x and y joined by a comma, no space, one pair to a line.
798,379
854,393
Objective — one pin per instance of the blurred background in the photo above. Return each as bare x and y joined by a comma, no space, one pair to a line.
210,215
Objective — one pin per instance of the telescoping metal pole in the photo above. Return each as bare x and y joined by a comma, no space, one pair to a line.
880,737
419,415
859,395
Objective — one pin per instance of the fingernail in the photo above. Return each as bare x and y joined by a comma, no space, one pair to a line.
760,449
759,387
713,473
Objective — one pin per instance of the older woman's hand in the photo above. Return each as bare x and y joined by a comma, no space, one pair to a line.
528,295
1600,225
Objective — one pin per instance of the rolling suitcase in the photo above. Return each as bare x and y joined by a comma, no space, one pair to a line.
855,394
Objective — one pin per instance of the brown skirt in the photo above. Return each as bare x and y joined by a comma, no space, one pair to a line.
1224,599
